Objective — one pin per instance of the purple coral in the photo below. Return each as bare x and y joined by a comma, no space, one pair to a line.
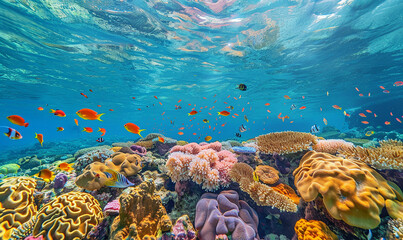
139,150
112,208
182,230
60,181
225,214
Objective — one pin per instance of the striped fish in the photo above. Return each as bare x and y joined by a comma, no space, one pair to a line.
116,179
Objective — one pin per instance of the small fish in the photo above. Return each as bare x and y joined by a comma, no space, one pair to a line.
109,110
369,133
369,235
46,175
238,135
89,114
60,129
382,87
76,121
314,129
325,121
116,179
155,97
287,97
397,119
133,128
368,111
267,104
357,89
255,177
327,93
387,123
39,137
161,139
364,122
90,90
302,108
386,91
192,113
58,112
293,107
224,113
12,133
336,107
84,95
40,108
391,114
361,95
88,130
242,128
362,115
246,118
205,120
100,140
230,107
241,87
102,130
17,120
346,114
66,166
208,138
398,84
180,133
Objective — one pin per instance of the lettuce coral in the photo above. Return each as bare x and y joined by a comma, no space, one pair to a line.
313,230
331,146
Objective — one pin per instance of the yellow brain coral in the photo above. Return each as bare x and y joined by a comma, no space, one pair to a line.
313,230
125,163
68,216
285,142
267,174
16,203
143,214
351,190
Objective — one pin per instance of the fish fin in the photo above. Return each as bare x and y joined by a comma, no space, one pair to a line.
99,129
26,124
36,135
219,113
99,116
140,132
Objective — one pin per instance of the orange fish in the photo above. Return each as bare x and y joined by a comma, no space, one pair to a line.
180,133
91,90
109,110
65,166
357,89
155,97
46,175
325,121
180,100
181,128
336,107
303,97
303,107
76,121
387,123
89,114
60,129
286,97
361,95
88,130
397,119
192,113
362,115
224,113
243,109
40,108
102,130
98,105
375,115
84,95
382,87
39,137
398,83
58,112
208,138
365,122
391,114
161,139
369,94
17,120
133,128
368,111
267,104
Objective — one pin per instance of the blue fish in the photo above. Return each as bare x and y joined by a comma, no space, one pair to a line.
116,179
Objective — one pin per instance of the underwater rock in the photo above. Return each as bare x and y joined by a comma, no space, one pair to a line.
90,149
93,177
125,163
9,168
60,180
138,150
225,214
97,155
164,147
242,149
29,162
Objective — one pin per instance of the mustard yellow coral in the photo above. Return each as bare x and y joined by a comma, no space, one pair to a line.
125,163
351,190
16,203
285,142
313,230
267,174
68,216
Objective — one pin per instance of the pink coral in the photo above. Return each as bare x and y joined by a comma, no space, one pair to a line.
331,145
194,148
112,208
34,238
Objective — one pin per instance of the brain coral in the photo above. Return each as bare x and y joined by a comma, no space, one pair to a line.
352,191
68,216
125,163
90,180
141,214
313,230
16,203
267,174
285,142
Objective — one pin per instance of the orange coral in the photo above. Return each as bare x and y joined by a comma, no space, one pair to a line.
267,174
352,191
287,191
68,216
16,203
262,194
285,142
93,177
125,163
142,214
313,230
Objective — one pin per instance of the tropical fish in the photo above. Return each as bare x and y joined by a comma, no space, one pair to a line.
46,175
287,97
368,111
100,140
325,121
327,93
387,123
362,115
17,120
192,113
397,119
84,95
39,137
230,107
12,133
133,128
242,128
102,130
90,90
314,129
246,118
115,179
60,129
365,122
255,177
208,138
76,121
346,114
89,114
88,130
369,133
65,166
398,83
224,113
303,107
293,107
206,121
336,107
267,104
58,112
241,87
180,133
238,134
369,235
161,139
386,91
40,108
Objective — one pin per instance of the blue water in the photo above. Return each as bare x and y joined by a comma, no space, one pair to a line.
51,51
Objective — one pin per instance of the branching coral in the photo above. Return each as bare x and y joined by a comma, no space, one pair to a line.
389,155
352,191
68,216
285,142
16,203
313,230
262,194
267,174
331,146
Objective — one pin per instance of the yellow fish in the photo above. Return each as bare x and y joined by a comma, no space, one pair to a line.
255,177
46,175
369,133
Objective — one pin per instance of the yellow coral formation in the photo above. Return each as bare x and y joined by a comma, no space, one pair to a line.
262,194
143,215
16,203
287,191
125,163
68,216
181,143
116,149
285,142
93,177
267,174
389,155
351,190
149,144
313,230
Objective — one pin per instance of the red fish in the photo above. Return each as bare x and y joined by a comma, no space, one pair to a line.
58,112
303,107
286,97
89,114
133,128
386,91
102,130
84,95
368,111
362,115
60,129
398,83
180,133
17,120
12,134
88,130
336,107
224,113
39,137
161,139
365,122
76,121
40,108
387,123
397,119
192,113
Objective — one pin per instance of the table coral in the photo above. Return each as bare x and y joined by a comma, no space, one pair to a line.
141,215
225,214
125,163
285,142
313,230
68,216
267,174
351,190
17,203
331,146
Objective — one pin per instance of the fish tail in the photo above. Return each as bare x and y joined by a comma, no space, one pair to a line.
99,129
219,113
36,135
26,124
99,116
140,132
52,111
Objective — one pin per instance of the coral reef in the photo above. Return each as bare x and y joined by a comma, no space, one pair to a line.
125,163
112,208
93,177
68,216
99,154
147,144
183,229
138,150
17,204
9,168
285,142
244,149
225,214
59,181
313,230
267,174
395,229
331,146
352,191
29,162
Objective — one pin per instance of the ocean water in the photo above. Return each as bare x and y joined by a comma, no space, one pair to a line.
136,61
